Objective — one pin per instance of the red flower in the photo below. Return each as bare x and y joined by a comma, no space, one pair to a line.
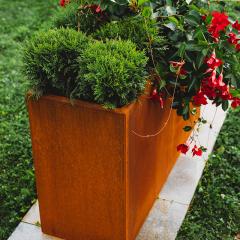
220,20
236,25
183,147
196,151
225,95
199,99
156,98
236,102
237,47
177,64
212,80
215,32
213,61
94,9
221,85
232,38
209,92
62,3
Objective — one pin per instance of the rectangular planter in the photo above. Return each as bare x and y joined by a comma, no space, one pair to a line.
95,178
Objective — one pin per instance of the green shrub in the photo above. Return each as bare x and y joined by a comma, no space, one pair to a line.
50,61
69,17
111,73
137,33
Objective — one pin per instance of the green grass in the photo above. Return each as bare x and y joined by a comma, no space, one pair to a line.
211,216
18,21
215,210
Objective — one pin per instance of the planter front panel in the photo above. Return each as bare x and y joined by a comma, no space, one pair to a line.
96,179
151,159
79,157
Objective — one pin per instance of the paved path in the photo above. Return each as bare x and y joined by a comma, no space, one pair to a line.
169,210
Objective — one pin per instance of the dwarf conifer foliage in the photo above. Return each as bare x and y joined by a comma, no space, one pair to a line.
111,73
50,61
137,32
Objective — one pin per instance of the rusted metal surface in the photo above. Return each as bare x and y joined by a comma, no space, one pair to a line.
95,178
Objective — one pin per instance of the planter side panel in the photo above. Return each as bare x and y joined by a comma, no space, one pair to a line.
151,159
79,157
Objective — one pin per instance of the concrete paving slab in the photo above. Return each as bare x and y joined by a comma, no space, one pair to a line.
206,137
26,231
182,181
32,215
163,221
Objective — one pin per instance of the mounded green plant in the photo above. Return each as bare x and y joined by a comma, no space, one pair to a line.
138,32
50,61
112,73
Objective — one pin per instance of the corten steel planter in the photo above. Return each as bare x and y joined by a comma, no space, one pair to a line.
95,178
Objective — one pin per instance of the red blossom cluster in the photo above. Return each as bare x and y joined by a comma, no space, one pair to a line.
62,3
220,22
95,9
156,97
185,147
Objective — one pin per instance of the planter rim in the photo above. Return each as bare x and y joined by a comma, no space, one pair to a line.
80,103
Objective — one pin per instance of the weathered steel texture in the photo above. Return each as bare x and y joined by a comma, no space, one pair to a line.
96,179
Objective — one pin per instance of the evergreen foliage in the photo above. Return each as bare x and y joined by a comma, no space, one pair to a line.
136,31
50,61
88,22
111,73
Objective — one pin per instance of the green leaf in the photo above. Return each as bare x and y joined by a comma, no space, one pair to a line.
200,59
172,57
190,45
192,20
170,10
200,36
175,36
137,18
147,12
173,20
200,42
187,128
194,7
204,52
122,2
229,48
140,2
172,68
180,111
186,108
229,75
181,21
225,105
234,82
103,6
191,83
169,2
172,26
189,56
200,47
112,7
186,116
162,83
181,50
209,19
159,67
186,100
229,60
182,76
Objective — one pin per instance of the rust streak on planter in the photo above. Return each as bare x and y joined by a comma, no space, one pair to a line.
95,178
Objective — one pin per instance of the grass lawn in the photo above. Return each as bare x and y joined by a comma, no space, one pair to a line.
18,21
215,213
215,207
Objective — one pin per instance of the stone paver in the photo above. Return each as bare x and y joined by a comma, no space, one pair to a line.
168,212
